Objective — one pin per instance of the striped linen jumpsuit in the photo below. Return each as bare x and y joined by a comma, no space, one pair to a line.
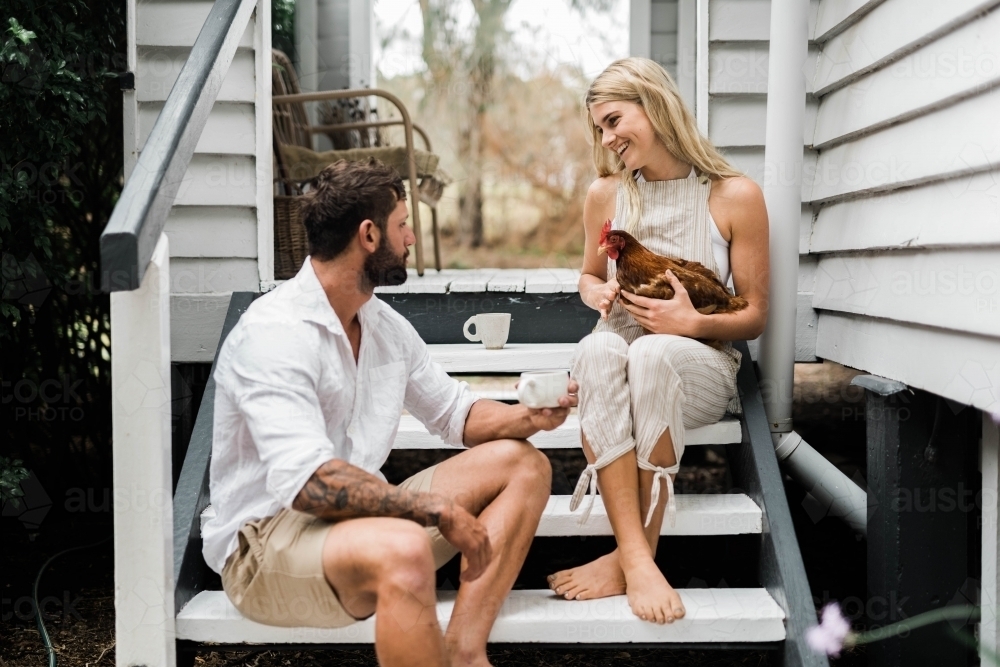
634,384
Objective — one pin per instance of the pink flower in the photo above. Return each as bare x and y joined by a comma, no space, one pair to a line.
828,637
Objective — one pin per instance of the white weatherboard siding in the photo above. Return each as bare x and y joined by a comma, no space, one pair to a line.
733,81
907,194
220,227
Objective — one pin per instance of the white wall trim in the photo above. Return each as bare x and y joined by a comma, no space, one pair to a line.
130,107
702,63
989,625
687,50
265,174
143,511
640,30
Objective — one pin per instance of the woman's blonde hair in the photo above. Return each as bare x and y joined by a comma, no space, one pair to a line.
646,83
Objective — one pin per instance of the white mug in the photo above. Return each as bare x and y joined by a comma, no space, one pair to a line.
542,389
492,329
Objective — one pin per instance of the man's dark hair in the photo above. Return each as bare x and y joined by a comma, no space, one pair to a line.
347,193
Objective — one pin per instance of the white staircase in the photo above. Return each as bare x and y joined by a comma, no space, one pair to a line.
726,616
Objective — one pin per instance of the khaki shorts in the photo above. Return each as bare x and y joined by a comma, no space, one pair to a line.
275,576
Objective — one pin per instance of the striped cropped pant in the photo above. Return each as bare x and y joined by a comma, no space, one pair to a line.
630,394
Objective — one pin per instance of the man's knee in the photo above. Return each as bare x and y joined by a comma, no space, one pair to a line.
405,560
524,460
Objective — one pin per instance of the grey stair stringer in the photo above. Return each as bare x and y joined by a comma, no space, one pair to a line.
191,496
781,571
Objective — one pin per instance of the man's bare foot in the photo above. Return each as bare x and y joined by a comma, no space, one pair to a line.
650,596
598,579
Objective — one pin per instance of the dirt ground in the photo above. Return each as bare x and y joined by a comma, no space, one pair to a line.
77,589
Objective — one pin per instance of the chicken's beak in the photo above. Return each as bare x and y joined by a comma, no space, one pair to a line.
601,249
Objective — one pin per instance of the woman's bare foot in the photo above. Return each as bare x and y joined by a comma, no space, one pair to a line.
649,595
598,579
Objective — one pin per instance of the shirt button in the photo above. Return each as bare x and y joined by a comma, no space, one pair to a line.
351,431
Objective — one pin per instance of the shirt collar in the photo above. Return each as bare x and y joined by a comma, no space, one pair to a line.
312,305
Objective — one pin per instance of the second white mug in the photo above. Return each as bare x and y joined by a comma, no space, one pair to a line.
492,329
542,389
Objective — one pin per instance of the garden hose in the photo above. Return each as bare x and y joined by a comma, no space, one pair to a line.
38,610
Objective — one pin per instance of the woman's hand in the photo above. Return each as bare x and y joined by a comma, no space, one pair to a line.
666,316
605,295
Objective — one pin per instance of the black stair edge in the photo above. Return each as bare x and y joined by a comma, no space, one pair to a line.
782,572
191,573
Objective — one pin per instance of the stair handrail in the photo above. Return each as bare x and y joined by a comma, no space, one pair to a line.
131,235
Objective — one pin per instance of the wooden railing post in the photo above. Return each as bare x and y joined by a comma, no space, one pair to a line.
143,512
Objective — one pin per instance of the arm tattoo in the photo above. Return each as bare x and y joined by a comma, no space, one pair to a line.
339,490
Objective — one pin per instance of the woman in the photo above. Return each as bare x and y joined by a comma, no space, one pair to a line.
643,378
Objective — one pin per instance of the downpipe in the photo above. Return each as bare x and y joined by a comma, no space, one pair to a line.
783,148
832,489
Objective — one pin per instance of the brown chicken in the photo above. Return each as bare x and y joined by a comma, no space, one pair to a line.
643,272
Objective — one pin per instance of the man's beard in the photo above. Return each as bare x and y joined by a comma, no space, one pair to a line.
383,267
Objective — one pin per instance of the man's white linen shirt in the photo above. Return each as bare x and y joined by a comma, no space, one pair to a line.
289,397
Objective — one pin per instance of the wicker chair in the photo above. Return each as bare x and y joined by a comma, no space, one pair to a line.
296,161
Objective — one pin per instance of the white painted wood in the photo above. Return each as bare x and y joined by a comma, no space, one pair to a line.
413,435
957,212
960,139
961,63
219,180
432,282
883,36
130,113
507,280
474,280
663,49
687,39
202,275
177,23
639,28
663,17
195,326
740,120
157,69
548,281
361,44
697,514
262,127
143,512
703,77
806,326
229,129
835,16
746,20
750,160
513,358
951,289
957,365
212,231
741,67
989,625
730,615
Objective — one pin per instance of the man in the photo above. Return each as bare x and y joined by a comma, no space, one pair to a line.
311,384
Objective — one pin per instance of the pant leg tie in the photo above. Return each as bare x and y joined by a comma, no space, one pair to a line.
588,478
665,475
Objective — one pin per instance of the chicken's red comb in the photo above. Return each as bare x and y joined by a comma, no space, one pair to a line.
605,230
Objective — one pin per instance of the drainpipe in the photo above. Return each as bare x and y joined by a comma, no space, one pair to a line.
786,95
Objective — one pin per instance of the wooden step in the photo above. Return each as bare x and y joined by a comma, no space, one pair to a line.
697,514
414,435
513,358
723,615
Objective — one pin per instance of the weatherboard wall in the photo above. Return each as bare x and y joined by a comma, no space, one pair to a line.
220,227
